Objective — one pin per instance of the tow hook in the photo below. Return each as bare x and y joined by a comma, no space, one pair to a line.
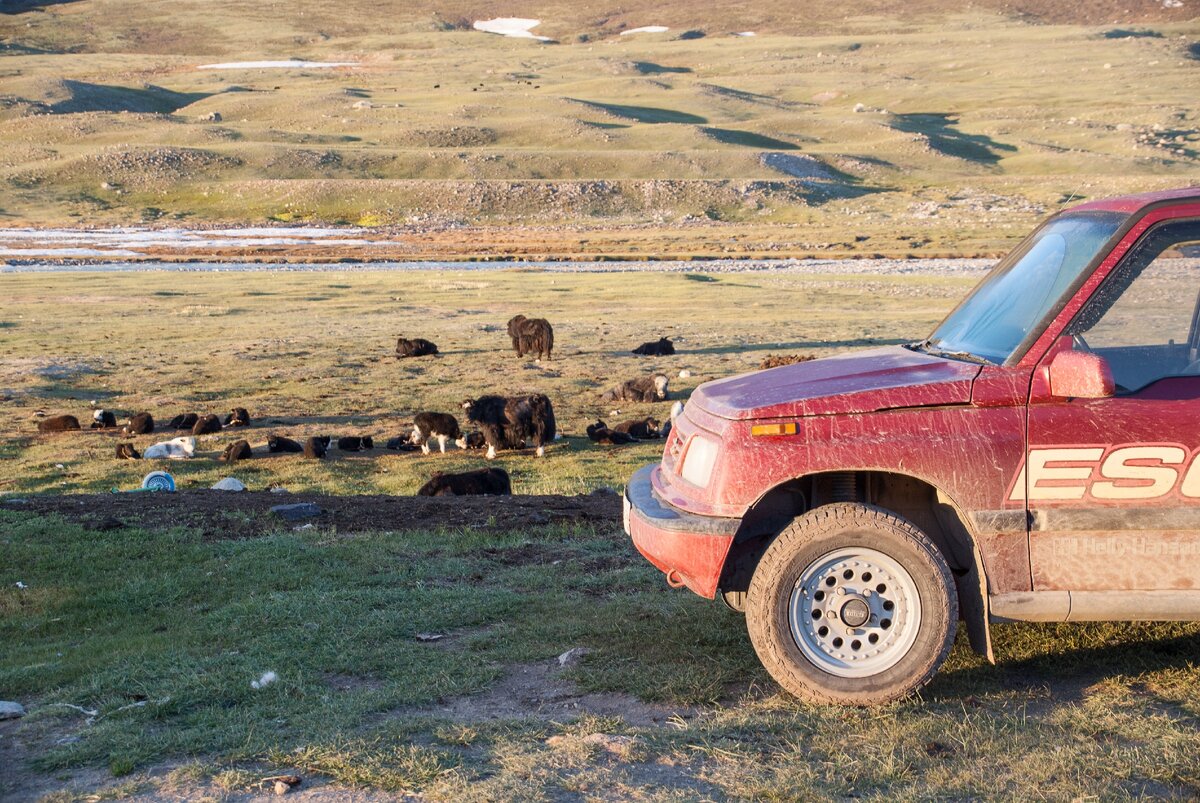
674,579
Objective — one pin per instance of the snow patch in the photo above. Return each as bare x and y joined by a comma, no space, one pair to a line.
745,33
647,29
514,27
289,64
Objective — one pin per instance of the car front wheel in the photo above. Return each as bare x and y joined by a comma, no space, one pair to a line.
852,604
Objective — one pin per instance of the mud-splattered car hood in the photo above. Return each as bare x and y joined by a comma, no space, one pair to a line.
860,382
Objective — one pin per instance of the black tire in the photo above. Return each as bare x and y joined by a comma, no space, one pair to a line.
820,546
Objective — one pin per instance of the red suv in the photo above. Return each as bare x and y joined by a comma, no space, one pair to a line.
1034,459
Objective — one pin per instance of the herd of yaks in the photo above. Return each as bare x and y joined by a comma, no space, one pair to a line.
504,422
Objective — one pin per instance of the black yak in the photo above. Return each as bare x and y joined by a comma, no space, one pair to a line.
103,419
642,389
278,443
238,417
642,429
486,481
531,336
417,347
206,425
238,450
660,348
125,451
314,448
355,443
442,426
600,433
139,424
58,423
507,422
184,421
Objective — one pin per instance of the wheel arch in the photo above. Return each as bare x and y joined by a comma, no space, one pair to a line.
915,498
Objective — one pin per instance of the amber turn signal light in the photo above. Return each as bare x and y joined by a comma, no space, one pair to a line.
759,430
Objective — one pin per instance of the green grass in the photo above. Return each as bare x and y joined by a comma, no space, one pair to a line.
312,352
161,633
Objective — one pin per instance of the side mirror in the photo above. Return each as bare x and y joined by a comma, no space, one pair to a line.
1081,375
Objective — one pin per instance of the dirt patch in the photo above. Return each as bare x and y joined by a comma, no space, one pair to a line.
224,515
540,691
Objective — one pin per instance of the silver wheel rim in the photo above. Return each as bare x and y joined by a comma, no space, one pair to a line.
854,612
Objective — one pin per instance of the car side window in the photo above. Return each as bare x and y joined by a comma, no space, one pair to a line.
1143,319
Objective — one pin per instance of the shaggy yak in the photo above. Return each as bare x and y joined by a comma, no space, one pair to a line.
206,425
600,433
140,424
642,389
315,447
184,421
354,443
507,422
472,440
58,423
278,443
125,451
441,426
103,419
531,336
417,347
485,481
642,429
238,417
238,450
661,348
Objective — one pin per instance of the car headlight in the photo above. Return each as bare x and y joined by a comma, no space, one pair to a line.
699,460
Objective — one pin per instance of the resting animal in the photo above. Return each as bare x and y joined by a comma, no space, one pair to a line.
531,336
238,450
642,429
206,425
278,443
600,433
184,421
103,419
486,481
315,448
417,347
125,451
642,389
239,417
175,449
354,443
58,423
507,422
139,424
660,348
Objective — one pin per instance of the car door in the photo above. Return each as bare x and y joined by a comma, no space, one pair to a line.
1110,483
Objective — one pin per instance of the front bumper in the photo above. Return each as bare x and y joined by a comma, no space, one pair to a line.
690,549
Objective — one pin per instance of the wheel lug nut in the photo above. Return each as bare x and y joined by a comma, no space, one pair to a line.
841,592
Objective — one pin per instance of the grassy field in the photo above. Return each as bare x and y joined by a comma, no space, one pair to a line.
135,649
942,131
310,353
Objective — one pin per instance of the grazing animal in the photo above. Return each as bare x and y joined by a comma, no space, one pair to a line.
58,423
642,429
206,425
417,347
507,422
238,417
355,443
238,450
184,421
471,440
531,336
278,443
442,426
314,448
139,424
600,433
103,419
642,389
125,451
660,348
483,481
176,449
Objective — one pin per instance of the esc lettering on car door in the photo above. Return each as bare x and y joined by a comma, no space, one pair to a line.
1113,483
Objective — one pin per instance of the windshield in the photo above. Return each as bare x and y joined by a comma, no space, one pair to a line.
1023,288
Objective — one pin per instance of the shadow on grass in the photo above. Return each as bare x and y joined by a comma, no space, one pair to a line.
650,68
748,139
1067,673
939,129
643,114
88,97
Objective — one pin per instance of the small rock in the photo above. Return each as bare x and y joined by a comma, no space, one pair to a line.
300,510
303,527
282,788
266,680
229,484
9,710
364,104
684,374
538,518
430,636
572,656
21,585
859,108
278,490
